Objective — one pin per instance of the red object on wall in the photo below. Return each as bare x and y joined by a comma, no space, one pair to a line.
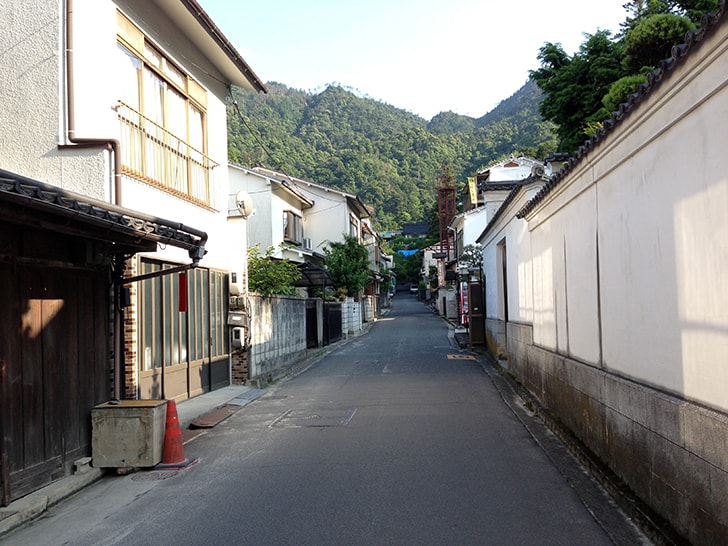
183,292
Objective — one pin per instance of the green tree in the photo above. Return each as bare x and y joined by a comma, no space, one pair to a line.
471,256
574,86
408,268
620,91
692,9
347,263
652,38
268,276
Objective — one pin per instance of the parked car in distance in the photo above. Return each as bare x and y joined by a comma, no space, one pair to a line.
414,289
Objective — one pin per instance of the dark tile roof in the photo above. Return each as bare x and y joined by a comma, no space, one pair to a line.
499,186
678,54
63,210
415,229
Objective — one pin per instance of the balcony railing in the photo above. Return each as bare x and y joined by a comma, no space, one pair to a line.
155,156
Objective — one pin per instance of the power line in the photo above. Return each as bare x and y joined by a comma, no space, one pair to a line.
253,133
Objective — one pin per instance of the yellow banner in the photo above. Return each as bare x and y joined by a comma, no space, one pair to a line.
473,191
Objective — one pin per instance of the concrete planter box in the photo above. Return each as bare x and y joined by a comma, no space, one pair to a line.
130,433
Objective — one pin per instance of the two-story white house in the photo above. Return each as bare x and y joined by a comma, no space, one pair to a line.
113,152
277,218
334,213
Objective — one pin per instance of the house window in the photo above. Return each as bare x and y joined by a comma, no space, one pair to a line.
292,228
354,226
162,112
169,337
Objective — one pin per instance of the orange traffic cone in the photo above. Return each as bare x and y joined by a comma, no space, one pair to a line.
173,454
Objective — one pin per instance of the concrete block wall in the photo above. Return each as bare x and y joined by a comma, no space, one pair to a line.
278,329
369,306
351,317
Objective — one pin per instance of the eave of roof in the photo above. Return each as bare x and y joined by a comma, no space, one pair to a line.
679,52
71,213
194,21
287,186
500,186
354,201
509,199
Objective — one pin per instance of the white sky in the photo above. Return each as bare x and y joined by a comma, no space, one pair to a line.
425,56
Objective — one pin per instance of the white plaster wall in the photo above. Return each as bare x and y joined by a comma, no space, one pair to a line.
473,225
491,280
544,289
33,101
95,63
566,291
520,272
519,269
327,220
660,189
259,189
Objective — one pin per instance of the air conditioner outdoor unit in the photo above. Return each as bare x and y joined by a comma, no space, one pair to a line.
306,243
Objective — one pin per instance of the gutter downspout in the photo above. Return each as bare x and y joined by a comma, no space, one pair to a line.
109,143
115,147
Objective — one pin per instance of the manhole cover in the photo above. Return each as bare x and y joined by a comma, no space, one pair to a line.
154,476
293,418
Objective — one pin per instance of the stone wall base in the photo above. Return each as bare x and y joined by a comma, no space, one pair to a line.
672,453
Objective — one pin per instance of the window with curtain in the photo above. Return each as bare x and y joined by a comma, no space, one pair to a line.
162,111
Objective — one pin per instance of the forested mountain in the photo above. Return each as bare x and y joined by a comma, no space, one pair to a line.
390,157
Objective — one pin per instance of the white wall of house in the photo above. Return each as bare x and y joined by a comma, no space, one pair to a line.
515,168
474,222
34,97
97,79
259,189
33,102
270,200
493,199
328,219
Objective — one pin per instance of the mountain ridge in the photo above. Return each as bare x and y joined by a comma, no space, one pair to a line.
388,156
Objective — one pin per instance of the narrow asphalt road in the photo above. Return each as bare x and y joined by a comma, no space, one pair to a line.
396,437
